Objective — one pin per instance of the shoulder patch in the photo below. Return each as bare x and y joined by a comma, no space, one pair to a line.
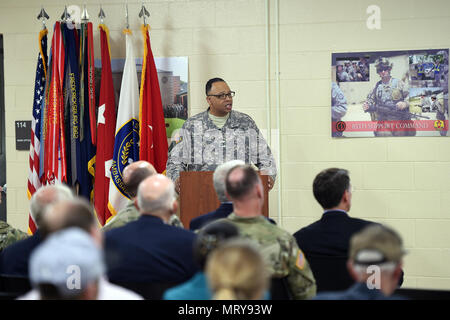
300,260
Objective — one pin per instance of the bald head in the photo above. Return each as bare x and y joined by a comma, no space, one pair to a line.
241,182
156,196
46,196
134,174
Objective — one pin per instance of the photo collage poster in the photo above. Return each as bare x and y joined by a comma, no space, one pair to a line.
390,93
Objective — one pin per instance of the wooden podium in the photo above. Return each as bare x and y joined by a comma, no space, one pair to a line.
197,195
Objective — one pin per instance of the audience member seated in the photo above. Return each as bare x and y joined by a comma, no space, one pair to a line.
67,265
208,239
284,258
148,250
15,258
226,206
237,271
326,241
78,213
133,175
375,262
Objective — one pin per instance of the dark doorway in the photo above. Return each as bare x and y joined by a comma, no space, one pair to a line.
2,134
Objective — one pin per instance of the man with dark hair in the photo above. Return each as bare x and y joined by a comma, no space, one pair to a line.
218,135
329,237
133,175
284,259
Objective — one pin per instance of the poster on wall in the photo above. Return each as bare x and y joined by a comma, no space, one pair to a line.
390,93
173,83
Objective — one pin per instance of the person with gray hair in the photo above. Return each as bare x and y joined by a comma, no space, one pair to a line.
39,200
375,262
226,206
14,259
150,252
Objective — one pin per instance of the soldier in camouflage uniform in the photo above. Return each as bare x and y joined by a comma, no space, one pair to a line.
389,101
338,106
279,248
218,135
133,175
440,111
9,235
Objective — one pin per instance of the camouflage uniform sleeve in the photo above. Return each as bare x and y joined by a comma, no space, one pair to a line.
301,279
338,102
404,89
176,162
265,159
371,100
9,235
175,221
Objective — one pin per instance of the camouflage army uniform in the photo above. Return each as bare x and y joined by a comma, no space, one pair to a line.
129,214
281,252
338,106
387,95
9,235
440,113
202,146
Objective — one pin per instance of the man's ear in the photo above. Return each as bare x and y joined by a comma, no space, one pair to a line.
136,204
345,197
260,191
352,272
175,206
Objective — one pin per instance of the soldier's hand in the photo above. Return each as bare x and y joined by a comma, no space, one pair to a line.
366,106
270,183
177,185
401,105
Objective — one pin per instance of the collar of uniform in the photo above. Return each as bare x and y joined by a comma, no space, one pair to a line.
237,218
231,122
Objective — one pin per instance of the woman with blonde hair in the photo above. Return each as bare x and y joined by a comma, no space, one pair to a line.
236,271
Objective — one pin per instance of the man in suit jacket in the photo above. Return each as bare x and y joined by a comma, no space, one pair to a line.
14,258
226,206
330,236
149,250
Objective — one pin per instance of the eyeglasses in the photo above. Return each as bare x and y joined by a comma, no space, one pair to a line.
222,96
383,69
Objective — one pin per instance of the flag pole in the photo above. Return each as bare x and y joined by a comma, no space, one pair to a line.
144,13
43,16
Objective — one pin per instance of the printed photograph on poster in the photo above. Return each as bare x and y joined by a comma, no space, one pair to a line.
173,83
390,93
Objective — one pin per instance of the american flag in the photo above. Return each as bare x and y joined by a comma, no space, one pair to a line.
39,93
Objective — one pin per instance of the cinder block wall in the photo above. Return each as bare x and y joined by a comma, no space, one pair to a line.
403,182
